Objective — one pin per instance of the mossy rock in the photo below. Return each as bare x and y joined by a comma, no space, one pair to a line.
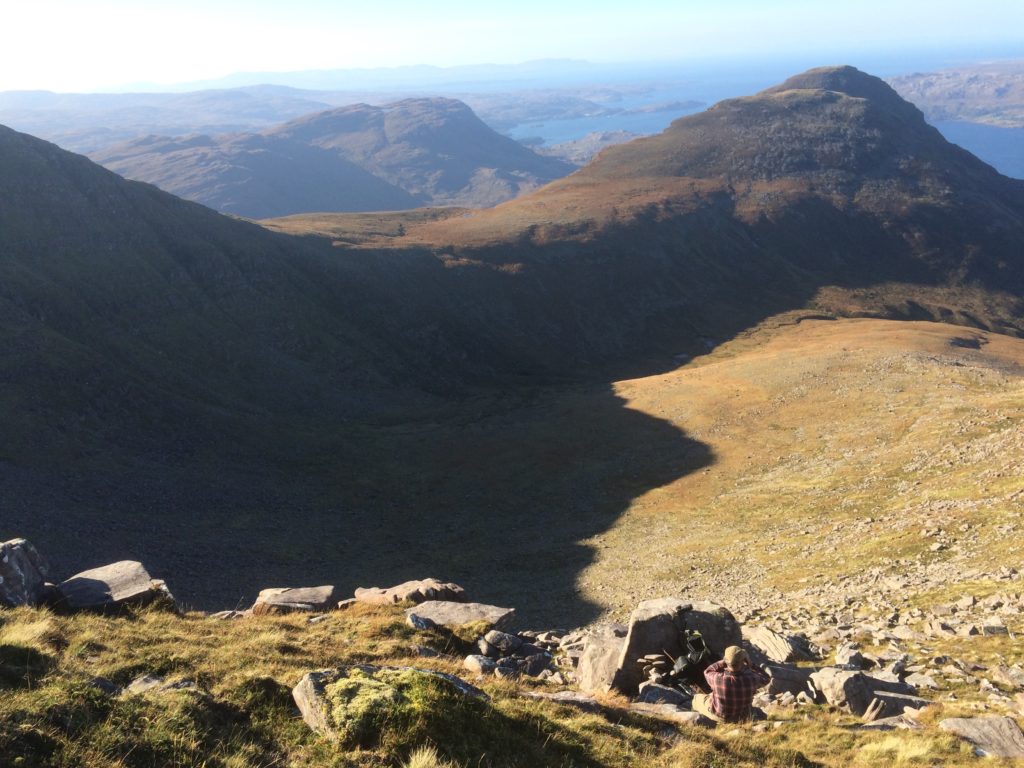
395,708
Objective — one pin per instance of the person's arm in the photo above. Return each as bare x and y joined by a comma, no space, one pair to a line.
714,672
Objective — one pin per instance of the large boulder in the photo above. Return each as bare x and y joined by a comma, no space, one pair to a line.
280,600
445,613
23,573
657,626
991,736
854,691
111,587
788,678
777,647
356,704
417,591
599,662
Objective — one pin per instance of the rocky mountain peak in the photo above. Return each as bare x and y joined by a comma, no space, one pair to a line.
847,80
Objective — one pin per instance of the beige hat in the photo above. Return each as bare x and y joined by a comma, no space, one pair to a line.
735,656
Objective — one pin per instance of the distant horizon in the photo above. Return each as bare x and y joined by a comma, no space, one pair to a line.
883,63
116,45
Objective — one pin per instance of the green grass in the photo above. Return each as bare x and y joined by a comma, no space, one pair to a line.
242,714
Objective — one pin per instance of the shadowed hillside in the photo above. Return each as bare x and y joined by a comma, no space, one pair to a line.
356,158
395,395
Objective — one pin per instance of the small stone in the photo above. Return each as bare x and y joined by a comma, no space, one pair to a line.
478,664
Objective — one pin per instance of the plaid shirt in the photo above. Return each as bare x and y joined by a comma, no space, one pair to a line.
732,692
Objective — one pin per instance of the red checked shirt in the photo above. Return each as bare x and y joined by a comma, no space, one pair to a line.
732,692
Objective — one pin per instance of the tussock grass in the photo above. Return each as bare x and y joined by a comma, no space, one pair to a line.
241,712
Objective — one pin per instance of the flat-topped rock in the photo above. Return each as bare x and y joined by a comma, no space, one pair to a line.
110,587
23,573
671,712
777,647
445,613
279,600
991,736
417,591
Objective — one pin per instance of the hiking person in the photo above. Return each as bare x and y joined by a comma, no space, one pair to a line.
733,681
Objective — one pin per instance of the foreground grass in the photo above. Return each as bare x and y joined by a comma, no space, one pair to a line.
52,712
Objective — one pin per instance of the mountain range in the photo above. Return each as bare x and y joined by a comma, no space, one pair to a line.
402,155
176,380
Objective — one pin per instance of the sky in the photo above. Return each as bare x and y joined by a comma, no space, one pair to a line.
95,45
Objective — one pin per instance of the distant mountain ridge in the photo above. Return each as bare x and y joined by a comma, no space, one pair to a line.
359,158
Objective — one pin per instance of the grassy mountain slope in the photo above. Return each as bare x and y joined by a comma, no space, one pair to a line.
240,713
251,175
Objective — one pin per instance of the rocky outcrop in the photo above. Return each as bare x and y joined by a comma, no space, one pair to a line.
111,587
599,662
778,647
23,574
278,600
445,613
991,736
416,591
657,627
854,691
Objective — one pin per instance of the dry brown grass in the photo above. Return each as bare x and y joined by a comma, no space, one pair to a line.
834,444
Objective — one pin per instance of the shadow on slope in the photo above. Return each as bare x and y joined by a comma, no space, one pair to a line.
498,494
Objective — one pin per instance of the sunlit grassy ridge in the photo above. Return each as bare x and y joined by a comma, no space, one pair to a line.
835,444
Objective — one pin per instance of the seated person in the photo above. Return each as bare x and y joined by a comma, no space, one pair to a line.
733,681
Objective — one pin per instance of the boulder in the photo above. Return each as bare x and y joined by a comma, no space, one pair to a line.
445,613
111,587
787,678
671,712
280,600
349,703
777,647
656,626
503,641
849,655
599,661
481,665
1011,677
854,691
23,573
991,736
654,693
417,591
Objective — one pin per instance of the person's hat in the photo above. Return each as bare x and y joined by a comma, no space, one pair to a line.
735,656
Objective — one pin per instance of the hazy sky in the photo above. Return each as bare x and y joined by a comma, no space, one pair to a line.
75,45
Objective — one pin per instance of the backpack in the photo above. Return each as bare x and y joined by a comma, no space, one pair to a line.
696,657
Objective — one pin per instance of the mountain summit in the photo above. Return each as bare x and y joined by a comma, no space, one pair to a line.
829,179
